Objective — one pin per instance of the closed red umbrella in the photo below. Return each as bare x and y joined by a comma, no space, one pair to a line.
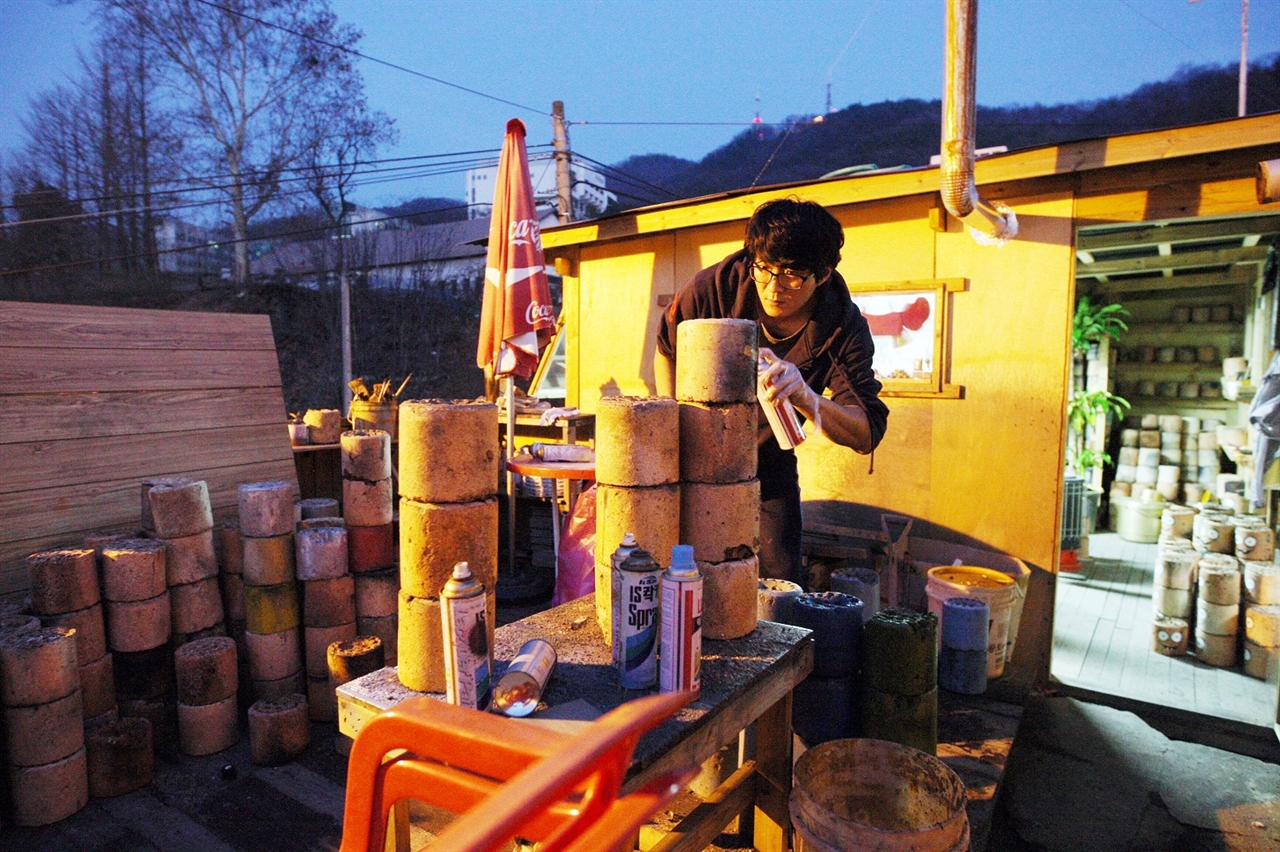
517,318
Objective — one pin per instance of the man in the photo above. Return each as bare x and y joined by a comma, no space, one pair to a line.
814,339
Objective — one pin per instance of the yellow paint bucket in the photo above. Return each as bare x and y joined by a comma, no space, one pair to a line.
998,589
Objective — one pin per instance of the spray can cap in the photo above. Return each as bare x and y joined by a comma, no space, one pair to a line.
639,560
462,571
682,560
629,540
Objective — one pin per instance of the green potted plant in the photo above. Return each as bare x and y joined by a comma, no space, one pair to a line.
1093,323
1088,410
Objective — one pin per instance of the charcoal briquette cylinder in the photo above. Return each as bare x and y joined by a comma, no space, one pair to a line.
143,675
1176,569
836,622
1259,662
316,642
321,553
774,599
910,720
370,548
824,709
962,671
207,670
900,652
321,523
637,441
367,504
96,541
270,609
91,637
1170,636
37,667
1219,584
279,729
965,624
273,656
1177,521
716,361
229,550
1262,625
268,561
1174,603
651,514
730,592
44,733
43,795
1213,533
62,581
233,596
318,507
195,606
366,454
268,690
324,425
119,757
190,559
1262,582
720,522
322,700
861,583
448,451
133,569
98,686
208,728
162,714
386,628
145,517
1215,650
436,536
265,509
717,442
353,658
328,603
377,593
181,509
421,644
1255,543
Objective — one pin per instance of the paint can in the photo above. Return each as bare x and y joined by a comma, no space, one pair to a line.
636,587
680,659
468,656
520,688
998,589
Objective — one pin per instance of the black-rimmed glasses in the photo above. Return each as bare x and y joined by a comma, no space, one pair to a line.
786,280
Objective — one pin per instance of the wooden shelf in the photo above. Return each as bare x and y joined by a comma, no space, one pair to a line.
1168,330
1171,368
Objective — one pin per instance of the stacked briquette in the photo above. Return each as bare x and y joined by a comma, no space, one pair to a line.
45,725
368,500
207,673
1218,609
366,458
448,514
230,551
272,612
324,425
719,492
637,487
1255,547
328,609
826,702
183,519
1175,581
65,593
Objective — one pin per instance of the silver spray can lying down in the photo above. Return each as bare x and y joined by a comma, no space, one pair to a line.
616,559
680,665
635,620
468,656
520,688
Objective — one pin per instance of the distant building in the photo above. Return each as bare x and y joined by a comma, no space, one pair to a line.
189,248
586,187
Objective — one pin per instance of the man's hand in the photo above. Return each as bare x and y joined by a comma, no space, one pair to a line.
782,380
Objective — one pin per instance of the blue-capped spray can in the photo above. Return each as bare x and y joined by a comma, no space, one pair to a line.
635,619
468,655
680,663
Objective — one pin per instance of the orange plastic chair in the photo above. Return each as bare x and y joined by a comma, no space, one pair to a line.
505,778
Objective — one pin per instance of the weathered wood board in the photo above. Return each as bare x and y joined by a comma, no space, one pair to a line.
94,400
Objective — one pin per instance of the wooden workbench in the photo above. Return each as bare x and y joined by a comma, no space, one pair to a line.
744,681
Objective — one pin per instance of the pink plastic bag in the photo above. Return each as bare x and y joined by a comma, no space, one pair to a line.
576,568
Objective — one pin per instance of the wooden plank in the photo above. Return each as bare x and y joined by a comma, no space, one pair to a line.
1184,260
43,370
1176,200
73,463
697,830
32,324
42,417
1093,240
1177,285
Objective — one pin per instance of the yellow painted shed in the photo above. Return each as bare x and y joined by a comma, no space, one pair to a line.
975,452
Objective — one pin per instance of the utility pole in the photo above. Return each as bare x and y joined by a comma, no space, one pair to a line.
1244,57
563,193
344,298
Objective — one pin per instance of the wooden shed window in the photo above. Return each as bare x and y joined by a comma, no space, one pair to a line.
910,327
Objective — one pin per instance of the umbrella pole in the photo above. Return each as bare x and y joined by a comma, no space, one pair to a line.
511,477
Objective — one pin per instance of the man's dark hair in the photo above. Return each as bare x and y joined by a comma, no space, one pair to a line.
795,234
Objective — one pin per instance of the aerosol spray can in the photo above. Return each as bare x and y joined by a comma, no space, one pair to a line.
635,620
680,664
562,452
519,689
780,413
468,657
616,559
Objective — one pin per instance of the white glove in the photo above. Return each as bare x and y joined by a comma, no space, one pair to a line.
782,380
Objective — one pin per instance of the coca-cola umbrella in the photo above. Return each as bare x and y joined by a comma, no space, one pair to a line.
518,318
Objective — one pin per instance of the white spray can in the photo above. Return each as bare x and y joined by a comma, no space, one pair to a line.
680,664
468,656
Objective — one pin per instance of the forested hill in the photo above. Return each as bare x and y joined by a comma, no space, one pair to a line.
907,132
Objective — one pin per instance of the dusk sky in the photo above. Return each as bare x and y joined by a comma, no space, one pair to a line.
696,61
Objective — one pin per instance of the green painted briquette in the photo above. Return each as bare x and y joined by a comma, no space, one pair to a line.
900,652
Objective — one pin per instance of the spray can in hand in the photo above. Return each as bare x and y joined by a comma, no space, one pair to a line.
635,620
468,655
680,664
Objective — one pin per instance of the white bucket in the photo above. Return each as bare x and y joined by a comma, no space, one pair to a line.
998,589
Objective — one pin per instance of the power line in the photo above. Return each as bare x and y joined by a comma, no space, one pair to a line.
625,176
373,59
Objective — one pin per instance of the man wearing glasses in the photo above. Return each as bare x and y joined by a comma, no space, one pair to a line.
812,336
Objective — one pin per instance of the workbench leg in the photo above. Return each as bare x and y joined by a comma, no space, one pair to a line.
772,817
398,828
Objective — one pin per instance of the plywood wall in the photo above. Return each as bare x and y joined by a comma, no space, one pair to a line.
94,400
